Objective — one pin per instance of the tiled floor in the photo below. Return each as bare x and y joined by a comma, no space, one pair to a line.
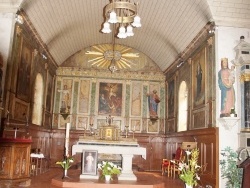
44,180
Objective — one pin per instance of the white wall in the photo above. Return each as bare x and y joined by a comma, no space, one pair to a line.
226,39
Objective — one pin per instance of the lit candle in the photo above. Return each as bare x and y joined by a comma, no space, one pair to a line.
67,138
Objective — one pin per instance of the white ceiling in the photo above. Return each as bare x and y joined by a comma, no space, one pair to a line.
168,26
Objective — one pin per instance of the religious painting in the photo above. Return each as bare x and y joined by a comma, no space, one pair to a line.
171,97
136,99
135,125
84,96
63,121
198,78
21,110
110,99
23,72
82,123
199,119
89,162
153,126
66,96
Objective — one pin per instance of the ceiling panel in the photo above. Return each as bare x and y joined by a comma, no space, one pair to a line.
167,26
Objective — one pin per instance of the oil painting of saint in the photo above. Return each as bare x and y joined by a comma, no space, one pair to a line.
110,99
23,74
198,78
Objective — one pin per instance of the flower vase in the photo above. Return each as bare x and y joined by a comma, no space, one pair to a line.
65,173
107,177
188,186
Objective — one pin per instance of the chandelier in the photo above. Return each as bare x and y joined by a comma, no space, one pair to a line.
125,14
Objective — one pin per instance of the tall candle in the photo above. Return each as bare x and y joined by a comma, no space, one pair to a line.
67,138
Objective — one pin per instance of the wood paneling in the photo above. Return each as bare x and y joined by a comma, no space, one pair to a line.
52,142
208,144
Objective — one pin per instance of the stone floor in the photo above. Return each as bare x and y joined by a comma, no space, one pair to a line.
44,180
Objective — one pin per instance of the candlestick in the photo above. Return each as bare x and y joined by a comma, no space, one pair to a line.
67,139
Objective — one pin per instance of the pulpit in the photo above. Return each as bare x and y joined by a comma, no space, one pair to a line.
14,161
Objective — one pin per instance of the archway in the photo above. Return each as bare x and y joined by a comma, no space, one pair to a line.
182,107
38,100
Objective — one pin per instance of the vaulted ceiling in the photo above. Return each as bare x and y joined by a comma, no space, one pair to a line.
168,26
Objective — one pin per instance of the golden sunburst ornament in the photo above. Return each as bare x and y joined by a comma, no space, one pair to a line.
103,56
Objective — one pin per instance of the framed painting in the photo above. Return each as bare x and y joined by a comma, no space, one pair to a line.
135,125
84,99
21,110
23,72
66,95
153,126
82,123
89,162
198,78
171,98
136,99
110,99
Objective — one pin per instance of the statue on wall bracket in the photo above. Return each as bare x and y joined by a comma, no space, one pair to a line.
153,100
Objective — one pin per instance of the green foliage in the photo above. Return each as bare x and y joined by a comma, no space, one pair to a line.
190,169
109,168
229,169
66,163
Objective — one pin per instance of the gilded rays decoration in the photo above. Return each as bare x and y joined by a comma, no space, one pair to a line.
101,55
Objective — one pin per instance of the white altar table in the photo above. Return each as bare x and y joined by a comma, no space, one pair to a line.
126,150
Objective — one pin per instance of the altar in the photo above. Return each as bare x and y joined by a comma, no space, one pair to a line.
125,147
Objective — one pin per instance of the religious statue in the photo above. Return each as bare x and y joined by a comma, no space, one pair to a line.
153,100
226,80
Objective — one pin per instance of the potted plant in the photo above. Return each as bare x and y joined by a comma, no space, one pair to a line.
229,169
108,169
189,168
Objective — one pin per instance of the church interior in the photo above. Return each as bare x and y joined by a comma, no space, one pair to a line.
130,82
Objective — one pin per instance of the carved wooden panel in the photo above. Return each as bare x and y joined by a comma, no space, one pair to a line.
15,160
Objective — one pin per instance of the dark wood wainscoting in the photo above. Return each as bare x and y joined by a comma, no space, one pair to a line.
51,143
208,144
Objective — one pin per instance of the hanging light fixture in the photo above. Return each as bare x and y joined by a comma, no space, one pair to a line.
112,67
125,14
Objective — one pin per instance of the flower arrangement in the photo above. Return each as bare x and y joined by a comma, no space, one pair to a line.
229,168
189,169
109,168
66,163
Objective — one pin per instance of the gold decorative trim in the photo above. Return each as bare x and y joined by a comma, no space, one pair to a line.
138,75
100,56
244,77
